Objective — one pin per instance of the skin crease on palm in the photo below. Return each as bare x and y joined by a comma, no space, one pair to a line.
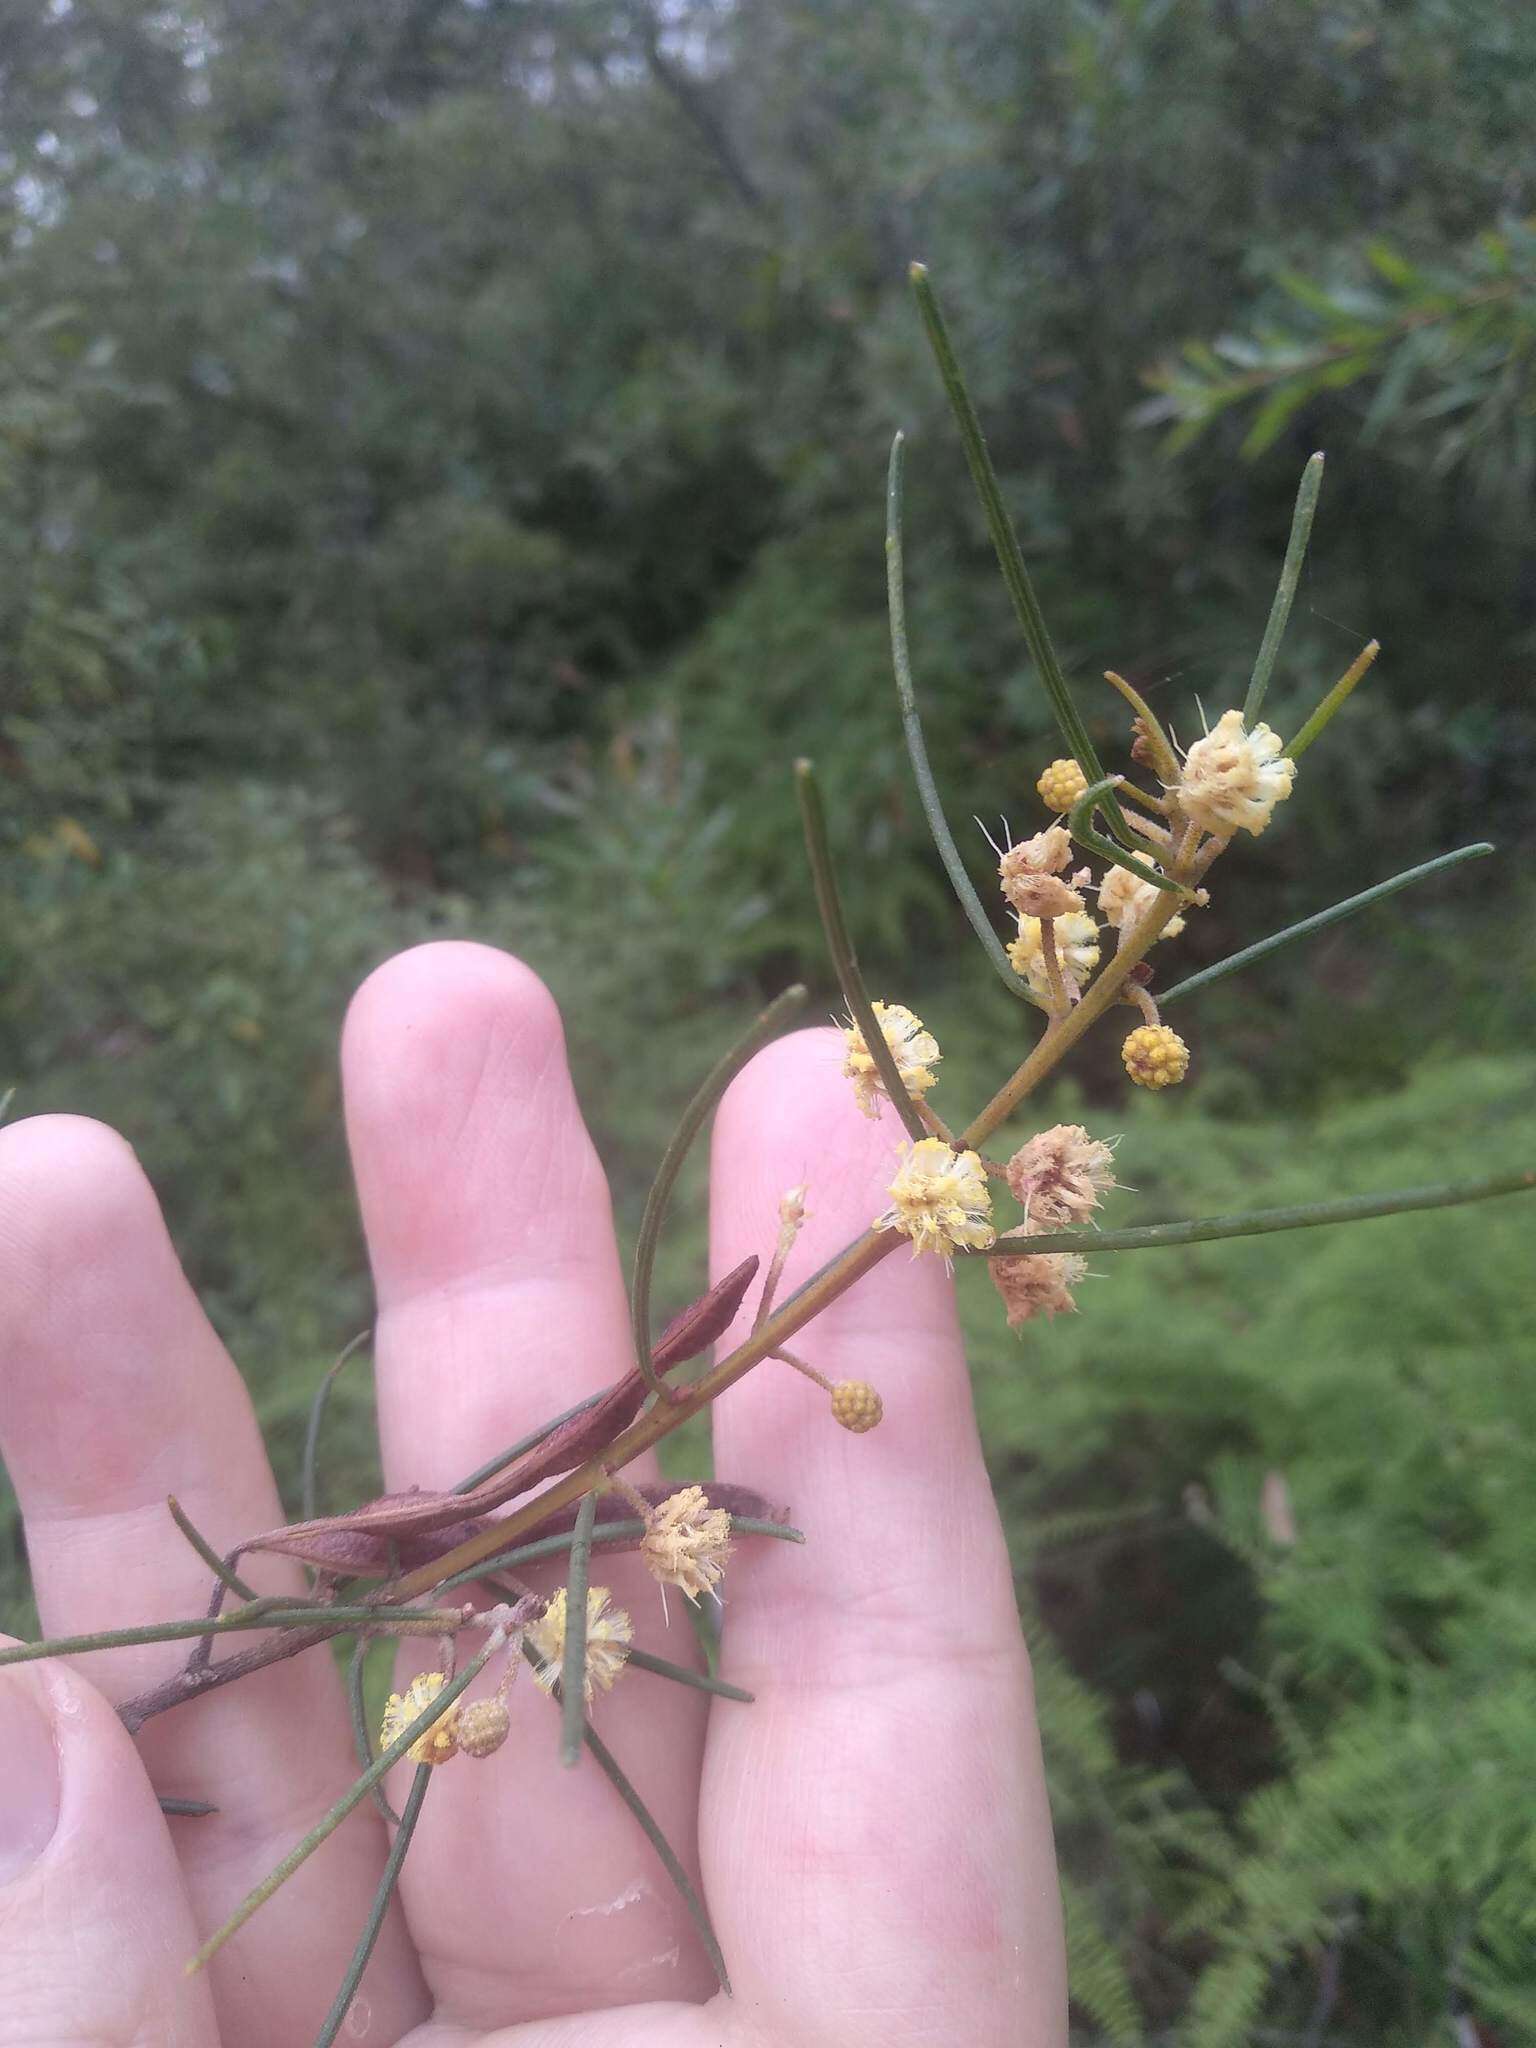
872,1835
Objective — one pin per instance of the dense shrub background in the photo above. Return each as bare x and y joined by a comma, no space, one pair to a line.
441,463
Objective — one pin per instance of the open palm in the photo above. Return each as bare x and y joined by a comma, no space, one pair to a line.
871,1835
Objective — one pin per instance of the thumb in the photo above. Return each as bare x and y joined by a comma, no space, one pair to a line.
95,1928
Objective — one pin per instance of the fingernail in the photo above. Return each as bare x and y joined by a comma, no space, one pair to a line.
29,1777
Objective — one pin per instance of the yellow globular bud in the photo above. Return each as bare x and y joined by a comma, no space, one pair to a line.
1062,784
1155,1057
856,1405
482,1727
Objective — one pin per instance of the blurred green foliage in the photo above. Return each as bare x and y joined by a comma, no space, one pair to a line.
441,455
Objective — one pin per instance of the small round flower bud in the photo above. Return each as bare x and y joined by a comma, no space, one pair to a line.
1062,784
856,1405
483,1727
1155,1057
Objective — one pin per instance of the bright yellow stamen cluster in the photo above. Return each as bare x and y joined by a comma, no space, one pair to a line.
1155,1057
940,1200
913,1047
1077,950
1062,784
440,1742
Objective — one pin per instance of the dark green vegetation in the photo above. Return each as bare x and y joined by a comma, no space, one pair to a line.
441,467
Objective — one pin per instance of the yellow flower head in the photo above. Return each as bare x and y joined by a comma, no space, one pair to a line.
441,1741
1077,950
608,1639
1037,1284
687,1542
940,1200
914,1049
1059,1175
1125,899
1062,784
1233,778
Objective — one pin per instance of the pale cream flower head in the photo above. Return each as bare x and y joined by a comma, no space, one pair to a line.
1037,1284
608,1638
1059,1175
1077,949
1025,867
1233,778
1125,899
440,1741
940,1200
687,1542
913,1047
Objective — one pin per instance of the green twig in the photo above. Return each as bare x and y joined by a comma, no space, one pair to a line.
308,1487
1256,1222
1004,539
1321,919
1285,590
358,1790
376,1912
573,1662
917,749
269,1612
1334,701
840,946
206,1551
1080,825
642,1660
777,1014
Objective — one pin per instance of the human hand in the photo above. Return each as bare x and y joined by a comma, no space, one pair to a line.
871,1835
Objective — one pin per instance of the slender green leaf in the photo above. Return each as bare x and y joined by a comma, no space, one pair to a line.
358,1790
362,1739
917,748
701,1681
1320,921
308,1491
332,2024
1335,700
1080,825
573,1662
205,1550
840,946
694,1117
1285,591
1005,540
526,1443
1257,1222
608,1764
